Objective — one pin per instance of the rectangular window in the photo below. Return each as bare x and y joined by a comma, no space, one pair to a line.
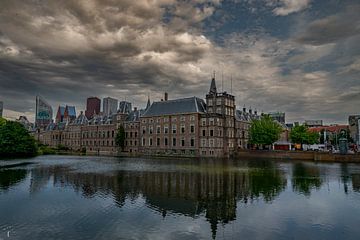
166,141
203,132
158,142
166,129
150,141
143,130
174,129
158,129
211,132
143,141
150,129
182,142
174,142
182,128
192,142
192,128
203,122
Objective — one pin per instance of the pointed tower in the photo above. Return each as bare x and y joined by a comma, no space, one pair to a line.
213,89
148,103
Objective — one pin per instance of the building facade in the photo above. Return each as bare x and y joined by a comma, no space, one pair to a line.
110,106
354,123
44,113
179,127
92,107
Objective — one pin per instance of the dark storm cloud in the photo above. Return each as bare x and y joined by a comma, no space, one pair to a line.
69,50
332,29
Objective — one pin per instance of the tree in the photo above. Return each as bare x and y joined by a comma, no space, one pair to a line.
15,141
120,137
301,134
264,131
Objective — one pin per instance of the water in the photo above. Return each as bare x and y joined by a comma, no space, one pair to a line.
67,197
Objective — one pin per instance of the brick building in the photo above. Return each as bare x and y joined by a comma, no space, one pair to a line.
181,127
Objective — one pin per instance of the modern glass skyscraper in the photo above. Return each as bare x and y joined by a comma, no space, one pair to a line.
44,112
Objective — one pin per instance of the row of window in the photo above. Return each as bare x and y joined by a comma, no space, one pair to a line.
131,134
100,134
219,101
175,142
167,119
211,143
98,143
150,129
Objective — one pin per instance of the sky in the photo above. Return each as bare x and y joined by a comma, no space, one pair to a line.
301,57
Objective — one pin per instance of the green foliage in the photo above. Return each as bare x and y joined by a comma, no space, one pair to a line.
120,138
264,131
46,150
301,134
2,121
15,141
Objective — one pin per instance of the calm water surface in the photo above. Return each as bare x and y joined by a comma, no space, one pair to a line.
67,197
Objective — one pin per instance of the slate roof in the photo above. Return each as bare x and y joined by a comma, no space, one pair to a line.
245,116
134,116
81,119
177,106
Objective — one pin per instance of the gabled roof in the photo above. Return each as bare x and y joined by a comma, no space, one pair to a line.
176,106
81,119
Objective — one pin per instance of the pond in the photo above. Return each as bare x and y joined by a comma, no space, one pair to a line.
73,197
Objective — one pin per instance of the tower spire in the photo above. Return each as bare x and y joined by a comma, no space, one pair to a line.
148,102
213,89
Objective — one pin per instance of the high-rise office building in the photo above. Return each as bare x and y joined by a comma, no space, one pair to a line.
109,105
44,112
1,108
92,107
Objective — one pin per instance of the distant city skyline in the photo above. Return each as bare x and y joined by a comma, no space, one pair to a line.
300,57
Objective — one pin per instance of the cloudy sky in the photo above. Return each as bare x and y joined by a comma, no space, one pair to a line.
297,56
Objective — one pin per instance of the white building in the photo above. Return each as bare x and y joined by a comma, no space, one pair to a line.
109,106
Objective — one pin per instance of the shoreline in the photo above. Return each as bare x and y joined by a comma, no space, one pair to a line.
311,156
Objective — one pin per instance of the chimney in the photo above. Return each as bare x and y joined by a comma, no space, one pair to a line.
166,96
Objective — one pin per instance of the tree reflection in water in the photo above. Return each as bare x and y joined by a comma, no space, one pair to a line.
9,177
305,178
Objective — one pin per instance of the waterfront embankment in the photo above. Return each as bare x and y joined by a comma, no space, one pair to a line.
298,155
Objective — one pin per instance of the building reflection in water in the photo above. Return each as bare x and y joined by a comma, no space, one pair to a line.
213,192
